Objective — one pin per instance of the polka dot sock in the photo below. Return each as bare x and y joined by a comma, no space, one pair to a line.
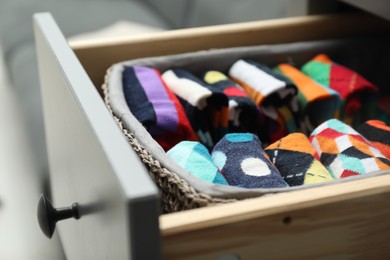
357,94
293,156
206,108
244,163
344,152
378,133
243,113
155,106
195,158
316,102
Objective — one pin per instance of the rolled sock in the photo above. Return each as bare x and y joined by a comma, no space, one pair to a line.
294,157
195,158
378,133
317,103
243,113
155,106
357,94
269,91
244,163
344,152
207,109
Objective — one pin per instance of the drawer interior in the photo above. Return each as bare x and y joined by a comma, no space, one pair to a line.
280,217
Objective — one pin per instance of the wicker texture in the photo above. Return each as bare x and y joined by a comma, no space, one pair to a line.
176,193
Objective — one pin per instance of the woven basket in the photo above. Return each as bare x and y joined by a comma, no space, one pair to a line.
181,193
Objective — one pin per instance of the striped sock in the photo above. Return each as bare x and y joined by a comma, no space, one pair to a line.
316,102
243,113
155,106
344,152
274,94
378,133
195,158
294,157
244,163
206,108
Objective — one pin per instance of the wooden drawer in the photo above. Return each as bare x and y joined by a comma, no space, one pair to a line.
92,164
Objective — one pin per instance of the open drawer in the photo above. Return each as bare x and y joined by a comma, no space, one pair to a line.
92,164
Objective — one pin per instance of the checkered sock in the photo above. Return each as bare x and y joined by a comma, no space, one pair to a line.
243,113
344,152
207,109
293,156
155,106
195,158
244,163
378,133
274,94
316,102
357,94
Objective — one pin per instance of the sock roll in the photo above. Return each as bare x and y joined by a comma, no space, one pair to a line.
244,163
155,106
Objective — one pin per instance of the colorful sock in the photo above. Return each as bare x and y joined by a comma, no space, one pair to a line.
293,156
378,133
244,163
357,94
207,109
316,102
344,152
155,106
243,113
271,91
195,158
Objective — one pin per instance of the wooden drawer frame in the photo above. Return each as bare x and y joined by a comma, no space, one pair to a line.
343,220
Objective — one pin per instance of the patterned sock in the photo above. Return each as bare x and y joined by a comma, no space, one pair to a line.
357,94
293,156
244,163
207,109
155,106
243,113
316,102
271,91
344,152
378,133
195,158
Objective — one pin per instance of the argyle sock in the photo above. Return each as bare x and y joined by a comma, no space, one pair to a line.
244,163
243,113
344,152
195,158
316,102
270,91
293,156
357,94
155,106
207,109
378,133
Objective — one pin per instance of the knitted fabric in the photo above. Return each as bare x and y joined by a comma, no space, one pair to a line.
206,108
244,163
316,102
274,94
195,158
344,152
378,133
244,115
155,106
357,94
294,157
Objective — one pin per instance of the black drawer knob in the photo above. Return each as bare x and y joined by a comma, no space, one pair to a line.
48,215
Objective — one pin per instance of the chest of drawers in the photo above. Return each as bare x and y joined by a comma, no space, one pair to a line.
92,164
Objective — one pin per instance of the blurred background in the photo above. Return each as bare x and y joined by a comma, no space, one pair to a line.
23,163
